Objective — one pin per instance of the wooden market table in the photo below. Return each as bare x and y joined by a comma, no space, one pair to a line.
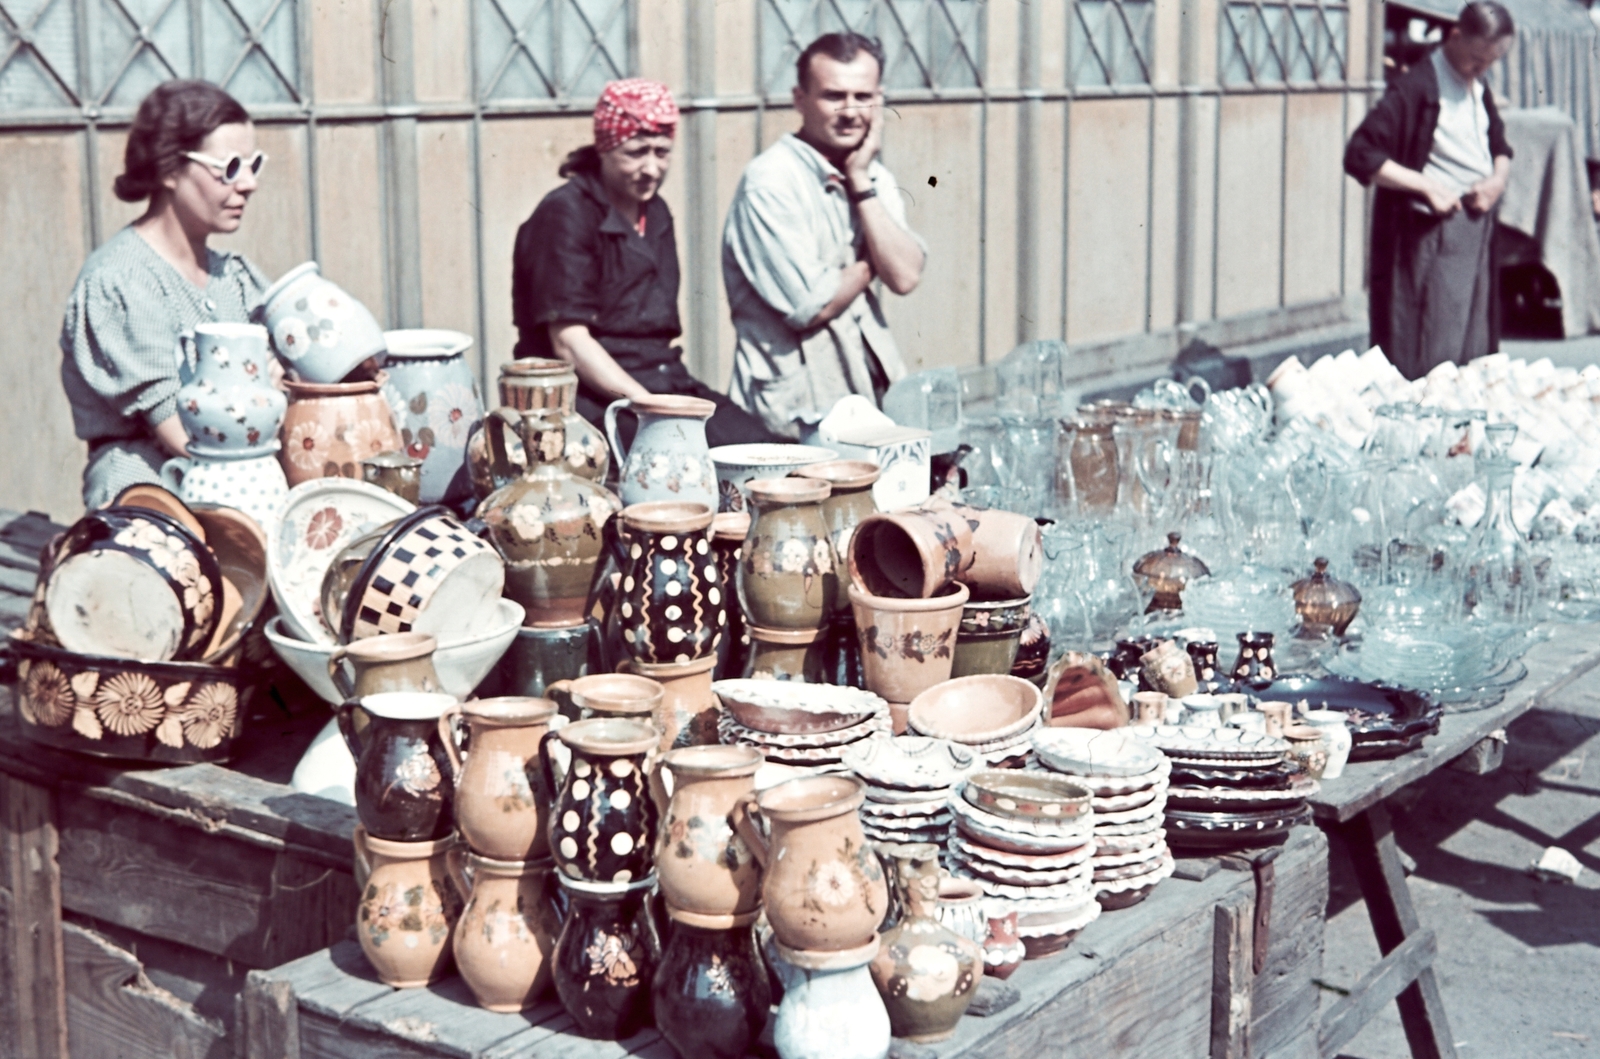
1353,807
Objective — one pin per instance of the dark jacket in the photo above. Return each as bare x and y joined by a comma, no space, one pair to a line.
578,261
1401,127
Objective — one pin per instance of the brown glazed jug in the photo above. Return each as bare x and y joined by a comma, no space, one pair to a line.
671,605
703,865
927,973
547,523
408,907
823,888
603,817
847,504
499,797
787,572
329,428
395,662
506,935
401,791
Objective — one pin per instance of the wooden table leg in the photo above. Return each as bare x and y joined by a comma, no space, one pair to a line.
33,875
1405,974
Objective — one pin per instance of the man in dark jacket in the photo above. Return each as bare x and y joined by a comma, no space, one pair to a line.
1436,148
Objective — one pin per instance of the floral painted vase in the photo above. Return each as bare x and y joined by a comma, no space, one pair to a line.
926,972
402,794
704,867
603,817
433,396
507,932
907,645
408,908
669,459
1307,748
319,330
536,382
255,485
710,995
787,570
330,428
500,799
547,524
605,958
671,605
849,501
227,403
1003,950
1203,654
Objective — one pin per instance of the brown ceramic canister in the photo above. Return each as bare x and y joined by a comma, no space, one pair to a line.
329,428
408,908
687,715
1169,670
704,867
1325,604
926,973
907,644
671,604
850,501
787,654
1307,748
506,935
823,885
500,806
913,553
396,662
1149,707
787,571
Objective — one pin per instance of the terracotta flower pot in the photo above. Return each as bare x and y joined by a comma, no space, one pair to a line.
704,867
329,428
1007,556
907,645
912,553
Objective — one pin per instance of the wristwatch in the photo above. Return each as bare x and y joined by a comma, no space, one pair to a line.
861,196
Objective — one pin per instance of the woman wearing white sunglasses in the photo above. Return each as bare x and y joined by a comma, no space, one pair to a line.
192,154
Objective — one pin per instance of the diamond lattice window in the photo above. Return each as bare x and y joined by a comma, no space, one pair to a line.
1267,43
927,44
1111,42
551,49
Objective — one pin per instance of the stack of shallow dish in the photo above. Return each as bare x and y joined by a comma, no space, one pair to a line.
807,725
1128,780
908,780
1027,838
992,715
1230,788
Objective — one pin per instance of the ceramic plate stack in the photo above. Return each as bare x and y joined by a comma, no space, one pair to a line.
1230,788
1027,838
909,780
1128,780
807,725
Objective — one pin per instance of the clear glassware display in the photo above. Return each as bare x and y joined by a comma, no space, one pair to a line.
1500,583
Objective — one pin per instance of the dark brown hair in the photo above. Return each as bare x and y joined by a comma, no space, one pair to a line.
584,160
1485,20
841,48
175,118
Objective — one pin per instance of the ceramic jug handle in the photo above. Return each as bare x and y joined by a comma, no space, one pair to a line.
363,866
455,862
447,736
341,680
547,766
496,425
742,816
611,428
172,473
564,687
184,353
347,726
658,787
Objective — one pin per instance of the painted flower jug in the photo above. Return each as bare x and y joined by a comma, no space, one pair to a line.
705,868
433,396
711,996
603,818
849,501
227,404
402,791
606,957
671,605
500,798
408,907
669,458
319,330
331,427
787,570
537,382
506,936
927,973
255,485
547,524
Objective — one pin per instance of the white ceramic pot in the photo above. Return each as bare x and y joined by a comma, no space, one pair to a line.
433,395
255,486
831,1009
317,327
1336,734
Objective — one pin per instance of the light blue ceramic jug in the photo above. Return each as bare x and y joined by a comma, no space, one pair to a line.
669,459
433,395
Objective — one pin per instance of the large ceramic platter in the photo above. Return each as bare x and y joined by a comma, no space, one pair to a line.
1373,711
935,835
1029,877
319,518
874,723
1138,827
1035,862
1229,799
1106,845
789,708
878,812
1121,803
1093,753
1193,742
1280,776
1148,811
909,762
1078,826
1111,786
980,832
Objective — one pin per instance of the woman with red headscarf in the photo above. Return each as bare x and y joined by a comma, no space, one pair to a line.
595,271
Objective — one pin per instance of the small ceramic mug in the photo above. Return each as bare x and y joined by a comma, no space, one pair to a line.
1149,707
396,472
1278,715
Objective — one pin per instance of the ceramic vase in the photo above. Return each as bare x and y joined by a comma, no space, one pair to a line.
926,973
433,396
330,428
1168,670
823,886
603,818
605,592
914,553
397,662
710,996
1203,656
1254,664
688,712
989,635
256,485
1003,950
402,794
787,654
961,905
500,802
728,531
787,570
506,935
1032,660
408,908
1335,728
705,868
1307,748
907,644
605,959
546,524
669,459
538,658
849,501
624,695
319,330
537,382
830,1008
227,404
671,604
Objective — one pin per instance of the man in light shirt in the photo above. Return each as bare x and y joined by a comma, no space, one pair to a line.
1436,148
815,219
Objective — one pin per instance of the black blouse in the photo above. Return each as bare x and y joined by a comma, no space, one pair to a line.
578,261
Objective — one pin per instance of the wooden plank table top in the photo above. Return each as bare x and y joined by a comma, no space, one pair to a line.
1570,653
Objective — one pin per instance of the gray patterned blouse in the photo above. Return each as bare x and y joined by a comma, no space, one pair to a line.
119,340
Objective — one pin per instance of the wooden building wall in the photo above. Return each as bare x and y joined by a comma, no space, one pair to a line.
1120,219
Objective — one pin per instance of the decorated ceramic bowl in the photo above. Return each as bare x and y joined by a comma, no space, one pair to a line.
738,464
1026,796
1090,752
985,709
908,762
789,708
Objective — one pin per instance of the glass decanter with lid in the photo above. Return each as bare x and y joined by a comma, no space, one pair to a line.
1500,582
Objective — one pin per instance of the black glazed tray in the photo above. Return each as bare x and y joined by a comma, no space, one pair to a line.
1377,713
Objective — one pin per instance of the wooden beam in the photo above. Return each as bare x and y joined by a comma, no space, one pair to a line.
28,831
1232,977
1377,987
271,1018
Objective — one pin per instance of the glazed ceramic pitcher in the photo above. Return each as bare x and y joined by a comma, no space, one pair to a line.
500,803
408,907
506,936
671,605
704,867
927,973
433,394
330,428
603,818
669,459
538,382
401,791
824,889
397,662
255,485
227,405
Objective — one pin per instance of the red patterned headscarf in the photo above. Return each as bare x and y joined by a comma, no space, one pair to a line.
629,108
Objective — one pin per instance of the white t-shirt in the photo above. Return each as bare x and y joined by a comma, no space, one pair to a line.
1460,156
